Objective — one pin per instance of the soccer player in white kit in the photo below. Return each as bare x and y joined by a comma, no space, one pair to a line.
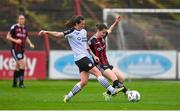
77,38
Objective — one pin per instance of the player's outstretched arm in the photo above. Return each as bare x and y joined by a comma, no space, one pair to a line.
114,24
53,33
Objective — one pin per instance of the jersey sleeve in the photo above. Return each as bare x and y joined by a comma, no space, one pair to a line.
91,42
13,30
67,32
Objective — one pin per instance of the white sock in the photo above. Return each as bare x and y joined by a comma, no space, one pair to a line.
103,81
75,90
70,95
111,89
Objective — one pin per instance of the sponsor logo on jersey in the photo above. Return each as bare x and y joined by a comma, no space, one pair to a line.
90,64
19,55
101,48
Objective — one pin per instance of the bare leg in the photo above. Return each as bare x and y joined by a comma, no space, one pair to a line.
112,76
77,88
95,71
120,77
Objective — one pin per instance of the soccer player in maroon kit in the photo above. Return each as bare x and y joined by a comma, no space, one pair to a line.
18,35
97,44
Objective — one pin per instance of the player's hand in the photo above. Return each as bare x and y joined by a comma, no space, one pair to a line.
96,59
32,46
118,19
42,32
18,41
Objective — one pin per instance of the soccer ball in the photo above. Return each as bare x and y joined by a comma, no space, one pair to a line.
134,96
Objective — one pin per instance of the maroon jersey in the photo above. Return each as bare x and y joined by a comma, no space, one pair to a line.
98,47
18,32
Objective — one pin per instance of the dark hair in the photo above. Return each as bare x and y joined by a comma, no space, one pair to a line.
101,26
73,20
20,15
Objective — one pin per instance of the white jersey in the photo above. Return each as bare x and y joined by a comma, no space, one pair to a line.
78,42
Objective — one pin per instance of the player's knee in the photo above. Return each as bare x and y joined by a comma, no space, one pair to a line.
97,73
22,66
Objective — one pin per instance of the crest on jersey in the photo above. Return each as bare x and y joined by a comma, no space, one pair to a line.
90,64
79,38
19,55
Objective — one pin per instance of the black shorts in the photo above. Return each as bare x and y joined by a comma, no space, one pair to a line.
102,68
17,55
84,64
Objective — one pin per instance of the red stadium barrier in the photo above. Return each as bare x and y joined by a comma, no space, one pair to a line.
35,65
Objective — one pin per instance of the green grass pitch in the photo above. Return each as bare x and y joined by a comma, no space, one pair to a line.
48,94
